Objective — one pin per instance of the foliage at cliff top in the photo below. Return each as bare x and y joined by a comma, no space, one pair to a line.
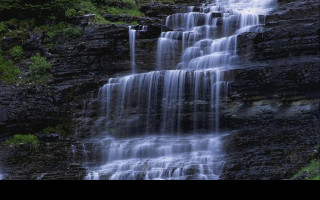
61,10
19,139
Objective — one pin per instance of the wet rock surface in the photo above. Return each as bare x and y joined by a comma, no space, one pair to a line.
274,103
292,29
52,159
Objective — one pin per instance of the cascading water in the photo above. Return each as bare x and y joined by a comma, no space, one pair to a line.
1,174
157,157
132,43
176,103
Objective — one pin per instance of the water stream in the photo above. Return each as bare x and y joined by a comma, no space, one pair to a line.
170,116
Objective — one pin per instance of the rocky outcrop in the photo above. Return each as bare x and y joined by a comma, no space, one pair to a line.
27,109
274,112
79,67
162,10
291,30
274,99
55,158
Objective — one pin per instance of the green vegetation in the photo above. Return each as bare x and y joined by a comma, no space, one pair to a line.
17,52
72,32
312,171
3,27
19,139
71,13
8,72
53,18
61,10
119,11
40,69
60,129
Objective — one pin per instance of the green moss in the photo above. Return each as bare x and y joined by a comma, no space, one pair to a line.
312,170
118,11
19,139
52,31
70,13
72,32
3,27
16,52
61,129
317,178
8,72
39,70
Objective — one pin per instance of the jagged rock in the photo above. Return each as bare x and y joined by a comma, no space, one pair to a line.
84,20
46,161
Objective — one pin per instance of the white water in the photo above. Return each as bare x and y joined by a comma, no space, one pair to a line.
157,157
174,99
132,43
1,175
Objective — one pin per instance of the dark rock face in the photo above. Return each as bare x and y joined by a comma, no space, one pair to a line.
274,101
80,66
96,51
55,158
274,152
84,20
162,10
24,110
291,30
275,112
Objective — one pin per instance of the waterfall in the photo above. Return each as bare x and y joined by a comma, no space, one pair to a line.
1,175
177,106
158,157
132,44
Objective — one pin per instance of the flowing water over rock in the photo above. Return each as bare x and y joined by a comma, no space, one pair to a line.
132,42
1,175
173,105
156,157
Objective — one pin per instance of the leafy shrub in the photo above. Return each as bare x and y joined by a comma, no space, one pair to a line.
52,31
118,11
39,70
23,139
60,129
71,13
72,32
81,12
3,27
17,52
8,72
